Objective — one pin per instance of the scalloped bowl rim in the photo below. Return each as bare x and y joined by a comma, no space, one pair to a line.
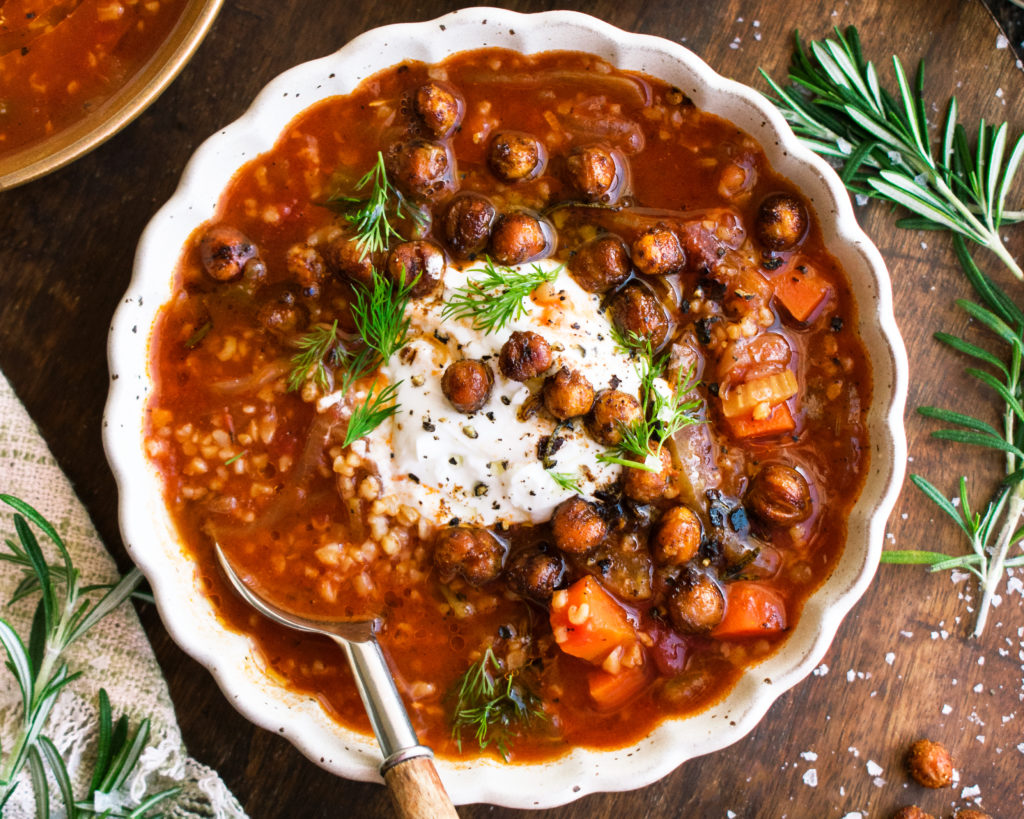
155,546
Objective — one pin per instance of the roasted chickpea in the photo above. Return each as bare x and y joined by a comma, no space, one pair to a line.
224,251
516,157
697,604
595,172
471,552
536,574
439,108
646,486
601,264
520,237
971,813
567,394
677,536
344,256
421,261
779,495
283,316
577,526
467,224
421,169
524,356
636,310
657,252
781,222
930,764
467,384
612,411
911,812
305,266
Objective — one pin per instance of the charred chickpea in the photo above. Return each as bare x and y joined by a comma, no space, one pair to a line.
305,266
439,108
420,168
536,574
930,764
601,264
594,171
911,812
516,157
779,495
524,355
658,252
224,251
697,604
577,526
519,237
637,311
677,537
613,410
781,222
344,256
283,316
467,384
567,394
473,553
644,485
467,224
420,261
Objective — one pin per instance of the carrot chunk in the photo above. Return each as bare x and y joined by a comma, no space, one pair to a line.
610,691
588,623
751,610
801,292
778,421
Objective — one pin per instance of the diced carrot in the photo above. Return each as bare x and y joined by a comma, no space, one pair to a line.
778,421
588,623
610,691
751,610
768,389
801,291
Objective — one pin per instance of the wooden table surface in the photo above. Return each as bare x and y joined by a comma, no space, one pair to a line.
902,665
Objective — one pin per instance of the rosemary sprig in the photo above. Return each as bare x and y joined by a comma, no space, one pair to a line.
369,215
566,480
64,613
885,151
882,143
493,703
663,413
320,351
498,297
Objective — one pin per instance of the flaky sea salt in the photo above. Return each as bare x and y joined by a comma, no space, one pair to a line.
811,778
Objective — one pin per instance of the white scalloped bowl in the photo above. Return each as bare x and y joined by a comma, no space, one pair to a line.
154,544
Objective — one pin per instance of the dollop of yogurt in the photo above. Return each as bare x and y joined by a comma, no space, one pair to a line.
484,468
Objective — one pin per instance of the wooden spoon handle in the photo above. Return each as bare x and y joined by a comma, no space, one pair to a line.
417,792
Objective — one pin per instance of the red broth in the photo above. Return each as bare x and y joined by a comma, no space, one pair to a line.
647,598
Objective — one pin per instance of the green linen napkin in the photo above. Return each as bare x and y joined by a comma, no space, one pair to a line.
114,655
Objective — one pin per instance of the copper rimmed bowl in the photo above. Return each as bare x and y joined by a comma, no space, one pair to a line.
116,111
150,533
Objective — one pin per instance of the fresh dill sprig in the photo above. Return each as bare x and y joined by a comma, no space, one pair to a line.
498,297
369,214
566,480
493,703
663,413
320,351
379,314
64,613
885,151
882,142
380,404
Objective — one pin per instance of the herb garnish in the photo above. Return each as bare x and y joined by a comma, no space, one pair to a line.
493,703
886,153
369,214
65,612
319,350
663,413
498,297
374,411
566,480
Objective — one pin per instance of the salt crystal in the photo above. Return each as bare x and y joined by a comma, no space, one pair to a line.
947,709
970,792
1001,41
810,756
924,245
811,778
730,814
1020,747
874,768
821,670
851,675
854,814
978,688
861,198
890,658
907,634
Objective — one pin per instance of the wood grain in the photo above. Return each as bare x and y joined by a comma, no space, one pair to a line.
417,792
901,666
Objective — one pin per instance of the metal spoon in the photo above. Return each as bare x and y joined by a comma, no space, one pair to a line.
408,769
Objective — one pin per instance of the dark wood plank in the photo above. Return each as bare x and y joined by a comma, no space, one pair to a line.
65,258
